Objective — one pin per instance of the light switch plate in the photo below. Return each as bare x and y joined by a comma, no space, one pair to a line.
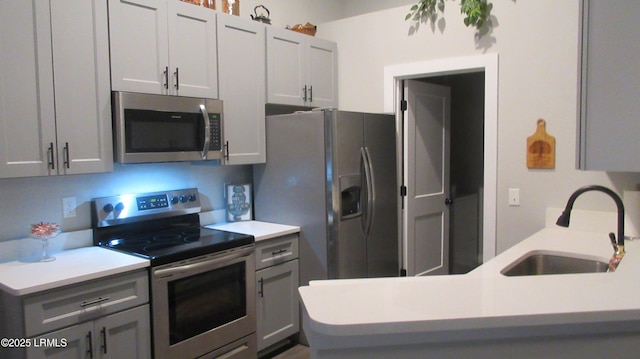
514,196
68,207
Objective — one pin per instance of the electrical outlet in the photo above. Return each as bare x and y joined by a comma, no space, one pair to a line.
68,207
514,196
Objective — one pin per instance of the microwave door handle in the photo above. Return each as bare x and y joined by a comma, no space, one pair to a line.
207,132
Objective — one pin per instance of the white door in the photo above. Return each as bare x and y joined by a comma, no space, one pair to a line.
322,73
426,174
286,67
138,33
193,68
82,87
241,50
27,111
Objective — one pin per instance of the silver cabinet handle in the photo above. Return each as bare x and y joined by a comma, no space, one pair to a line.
94,302
67,159
103,332
166,77
304,91
261,290
51,163
310,93
90,346
207,131
177,85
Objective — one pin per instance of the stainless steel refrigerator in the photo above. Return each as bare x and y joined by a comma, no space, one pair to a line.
334,174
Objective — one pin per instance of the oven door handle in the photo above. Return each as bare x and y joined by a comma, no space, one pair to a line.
207,132
215,262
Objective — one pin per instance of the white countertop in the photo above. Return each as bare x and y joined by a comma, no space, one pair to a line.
88,263
70,267
483,298
260,230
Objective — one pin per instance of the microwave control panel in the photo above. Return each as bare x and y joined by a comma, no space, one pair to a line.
215,132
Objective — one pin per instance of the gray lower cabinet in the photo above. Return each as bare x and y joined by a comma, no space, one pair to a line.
120,335
277,282
103,318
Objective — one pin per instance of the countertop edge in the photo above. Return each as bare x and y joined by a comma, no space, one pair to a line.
70,267
75,280
260,230
534,303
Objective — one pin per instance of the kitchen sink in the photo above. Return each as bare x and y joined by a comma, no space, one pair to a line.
543,263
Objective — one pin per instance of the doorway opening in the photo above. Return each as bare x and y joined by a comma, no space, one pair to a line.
475,184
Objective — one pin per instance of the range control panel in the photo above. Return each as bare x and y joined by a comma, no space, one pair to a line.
112,210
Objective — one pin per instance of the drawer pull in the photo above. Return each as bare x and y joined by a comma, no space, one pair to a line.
94,302
90,346
275,253
103,332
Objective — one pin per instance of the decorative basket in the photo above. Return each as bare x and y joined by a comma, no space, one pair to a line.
211,4
307,29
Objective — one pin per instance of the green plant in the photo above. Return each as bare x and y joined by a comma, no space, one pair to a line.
476,12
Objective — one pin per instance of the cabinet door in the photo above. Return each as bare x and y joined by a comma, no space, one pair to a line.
124,335
241,49
75,342
139,45
82,87
286,67
610,83
192,50
322,73
27,119
277,303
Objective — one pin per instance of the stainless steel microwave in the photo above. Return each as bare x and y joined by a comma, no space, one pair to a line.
160,128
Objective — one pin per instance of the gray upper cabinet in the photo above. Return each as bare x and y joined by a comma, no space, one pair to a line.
55,109
610,86
163,47
241,49
301,70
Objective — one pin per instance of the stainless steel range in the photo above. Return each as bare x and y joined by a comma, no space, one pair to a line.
202,280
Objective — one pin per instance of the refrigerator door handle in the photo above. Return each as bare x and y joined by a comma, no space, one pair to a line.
368,177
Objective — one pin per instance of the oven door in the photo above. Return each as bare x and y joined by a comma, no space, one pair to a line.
204,303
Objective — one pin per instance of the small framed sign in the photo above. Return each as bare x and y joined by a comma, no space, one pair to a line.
238,202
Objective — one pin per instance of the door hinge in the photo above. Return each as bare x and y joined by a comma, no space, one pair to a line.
403,105
403,191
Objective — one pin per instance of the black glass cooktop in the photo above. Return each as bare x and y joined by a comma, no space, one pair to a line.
168,240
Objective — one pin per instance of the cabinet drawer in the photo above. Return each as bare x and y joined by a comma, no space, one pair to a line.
66,306
277,250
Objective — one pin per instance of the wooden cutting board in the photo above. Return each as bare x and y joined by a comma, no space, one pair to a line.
541,148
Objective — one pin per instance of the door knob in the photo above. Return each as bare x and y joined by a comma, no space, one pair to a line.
448,201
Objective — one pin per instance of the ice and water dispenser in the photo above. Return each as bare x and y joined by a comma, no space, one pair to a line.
350,198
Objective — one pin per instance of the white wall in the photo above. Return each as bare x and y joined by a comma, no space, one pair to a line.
537,45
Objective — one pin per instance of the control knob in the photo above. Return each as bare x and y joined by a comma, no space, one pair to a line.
108,208
192,197
183,198
174,200
119,207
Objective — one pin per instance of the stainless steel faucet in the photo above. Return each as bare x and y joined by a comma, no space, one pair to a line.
618,244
